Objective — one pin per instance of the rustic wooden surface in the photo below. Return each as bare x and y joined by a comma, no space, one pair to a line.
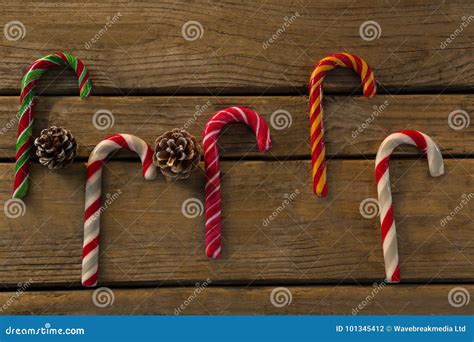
147,239
144,51
148,116
151,79
327,300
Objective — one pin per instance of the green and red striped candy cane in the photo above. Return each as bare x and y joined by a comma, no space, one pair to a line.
25,114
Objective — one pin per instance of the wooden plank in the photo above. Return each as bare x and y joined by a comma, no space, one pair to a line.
314,300
140,47
275,229
355,126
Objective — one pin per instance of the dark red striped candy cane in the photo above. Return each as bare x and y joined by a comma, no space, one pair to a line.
211,161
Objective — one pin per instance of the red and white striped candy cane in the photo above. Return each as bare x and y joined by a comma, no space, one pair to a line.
211,162
97,159
387,221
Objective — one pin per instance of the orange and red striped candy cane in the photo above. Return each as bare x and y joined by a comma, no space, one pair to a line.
212,167
387,220
318,149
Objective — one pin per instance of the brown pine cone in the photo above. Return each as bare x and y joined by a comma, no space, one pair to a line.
56,147
177,153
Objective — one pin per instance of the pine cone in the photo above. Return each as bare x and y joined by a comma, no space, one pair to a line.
56,147
177,153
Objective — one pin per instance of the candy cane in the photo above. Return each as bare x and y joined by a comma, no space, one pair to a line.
90,249
212,168
387,221
25,114
318,149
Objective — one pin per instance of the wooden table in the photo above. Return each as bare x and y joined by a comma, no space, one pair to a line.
153,75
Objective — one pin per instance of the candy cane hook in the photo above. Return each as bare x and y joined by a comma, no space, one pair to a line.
25,114
387,221
212,168
318,149
90,249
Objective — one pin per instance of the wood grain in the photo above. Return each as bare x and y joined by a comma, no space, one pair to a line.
313,300
143,51
275,229
355,126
